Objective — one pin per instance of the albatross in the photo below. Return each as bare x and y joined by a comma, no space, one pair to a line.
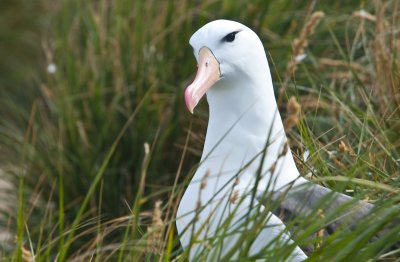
245,155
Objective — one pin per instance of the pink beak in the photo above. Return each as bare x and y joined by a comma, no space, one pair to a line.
208,73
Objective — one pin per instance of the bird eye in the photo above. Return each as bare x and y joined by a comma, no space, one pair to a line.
230,37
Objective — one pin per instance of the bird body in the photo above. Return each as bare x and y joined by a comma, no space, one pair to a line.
245,145
223,214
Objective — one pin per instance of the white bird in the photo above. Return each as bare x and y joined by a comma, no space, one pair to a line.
245,151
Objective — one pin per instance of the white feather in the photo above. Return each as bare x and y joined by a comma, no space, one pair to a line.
243,119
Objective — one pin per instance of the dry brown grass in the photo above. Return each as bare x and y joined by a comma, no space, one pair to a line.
299,46
293,109
386,59
155,230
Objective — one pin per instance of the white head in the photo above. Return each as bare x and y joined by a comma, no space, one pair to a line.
226,52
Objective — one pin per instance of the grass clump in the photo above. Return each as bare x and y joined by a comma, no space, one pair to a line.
94,131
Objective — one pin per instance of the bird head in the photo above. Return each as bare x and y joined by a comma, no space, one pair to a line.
225,51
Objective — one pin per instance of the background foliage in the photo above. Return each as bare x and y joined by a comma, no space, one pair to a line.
86,84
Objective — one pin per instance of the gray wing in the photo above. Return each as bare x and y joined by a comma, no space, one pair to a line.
344,212
304,201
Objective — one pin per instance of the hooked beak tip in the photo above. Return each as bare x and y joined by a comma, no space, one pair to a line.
208,73
189,101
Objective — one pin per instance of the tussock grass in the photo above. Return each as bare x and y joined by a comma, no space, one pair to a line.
92,147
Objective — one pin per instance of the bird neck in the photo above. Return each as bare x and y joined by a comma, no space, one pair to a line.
243,121
244,108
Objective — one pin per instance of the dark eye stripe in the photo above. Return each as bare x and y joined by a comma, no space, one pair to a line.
230,37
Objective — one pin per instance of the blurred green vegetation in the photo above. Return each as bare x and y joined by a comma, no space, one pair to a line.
126,61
